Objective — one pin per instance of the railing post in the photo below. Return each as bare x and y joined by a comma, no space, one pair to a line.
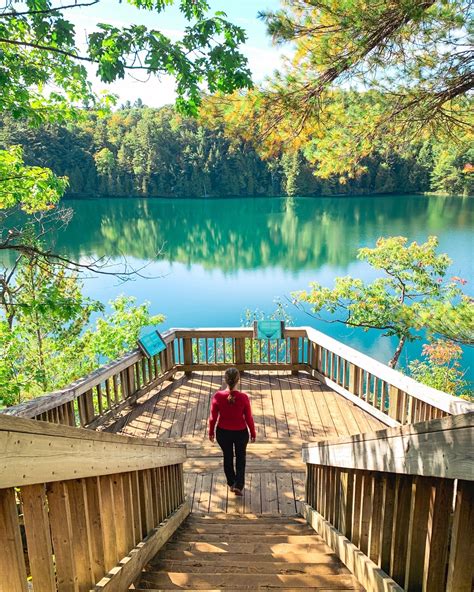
132,385
187,353
315,356
170,359
354,379
163,361
239,351
346,492
294,355
12,563
124,384
394,403
460,570
89,406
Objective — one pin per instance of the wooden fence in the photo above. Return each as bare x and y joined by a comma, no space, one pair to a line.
82,510
90,400
387,394
397,505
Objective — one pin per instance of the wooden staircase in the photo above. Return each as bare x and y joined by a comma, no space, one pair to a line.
246,552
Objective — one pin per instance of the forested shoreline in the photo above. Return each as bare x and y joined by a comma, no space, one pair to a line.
138,151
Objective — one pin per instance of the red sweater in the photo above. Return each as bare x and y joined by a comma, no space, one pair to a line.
235,416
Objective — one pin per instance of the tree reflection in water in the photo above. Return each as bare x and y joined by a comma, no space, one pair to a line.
234,234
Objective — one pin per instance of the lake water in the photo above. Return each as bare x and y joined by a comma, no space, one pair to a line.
220,257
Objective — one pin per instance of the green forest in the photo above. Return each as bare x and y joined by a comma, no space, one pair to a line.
144,152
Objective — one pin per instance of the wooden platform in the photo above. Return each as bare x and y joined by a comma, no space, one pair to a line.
288,410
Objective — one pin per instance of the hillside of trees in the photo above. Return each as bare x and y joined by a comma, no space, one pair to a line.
144,152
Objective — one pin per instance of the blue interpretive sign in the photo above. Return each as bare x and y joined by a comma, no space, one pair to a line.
268,329
151,343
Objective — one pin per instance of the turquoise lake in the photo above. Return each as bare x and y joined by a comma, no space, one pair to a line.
207,261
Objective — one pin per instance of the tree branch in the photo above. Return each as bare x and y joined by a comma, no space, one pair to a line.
346,321
46,48
97,266
47,10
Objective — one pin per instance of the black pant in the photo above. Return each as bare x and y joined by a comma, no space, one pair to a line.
227,439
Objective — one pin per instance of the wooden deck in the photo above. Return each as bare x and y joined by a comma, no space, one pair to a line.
288,410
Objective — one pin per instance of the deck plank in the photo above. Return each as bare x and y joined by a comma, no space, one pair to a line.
285,493
205,387
326,417
288,410
256,402
301,409
317,427
279,408
336,415
218,494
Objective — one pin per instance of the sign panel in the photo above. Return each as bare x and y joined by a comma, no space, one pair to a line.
268,329
151,344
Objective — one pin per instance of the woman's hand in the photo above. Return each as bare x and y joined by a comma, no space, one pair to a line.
211,438
252,440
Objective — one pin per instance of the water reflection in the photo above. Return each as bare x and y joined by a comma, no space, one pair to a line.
235,234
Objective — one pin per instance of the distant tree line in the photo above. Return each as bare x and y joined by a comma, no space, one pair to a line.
145,152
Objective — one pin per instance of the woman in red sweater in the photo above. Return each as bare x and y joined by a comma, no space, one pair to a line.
231,410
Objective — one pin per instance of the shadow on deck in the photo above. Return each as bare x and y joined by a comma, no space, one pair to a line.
288,410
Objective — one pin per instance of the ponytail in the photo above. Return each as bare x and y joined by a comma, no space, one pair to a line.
232,377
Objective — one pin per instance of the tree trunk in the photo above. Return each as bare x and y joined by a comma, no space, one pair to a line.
39,335
393,362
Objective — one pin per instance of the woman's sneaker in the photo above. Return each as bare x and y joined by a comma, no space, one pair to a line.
237,491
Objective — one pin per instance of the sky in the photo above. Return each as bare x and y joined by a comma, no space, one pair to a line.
262,56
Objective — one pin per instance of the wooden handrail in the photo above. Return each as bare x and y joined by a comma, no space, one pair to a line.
51,400
246,332
397,504
38,452
95,394
88,509
436,448
402,382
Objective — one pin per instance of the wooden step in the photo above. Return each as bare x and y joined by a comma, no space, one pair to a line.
280,465
250,528
247,548
244,518
184,581
233,539
232,558
332,565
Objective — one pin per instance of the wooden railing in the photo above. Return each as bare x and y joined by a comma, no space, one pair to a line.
397,505
103,391
385,393
202,349
376,387
82,510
